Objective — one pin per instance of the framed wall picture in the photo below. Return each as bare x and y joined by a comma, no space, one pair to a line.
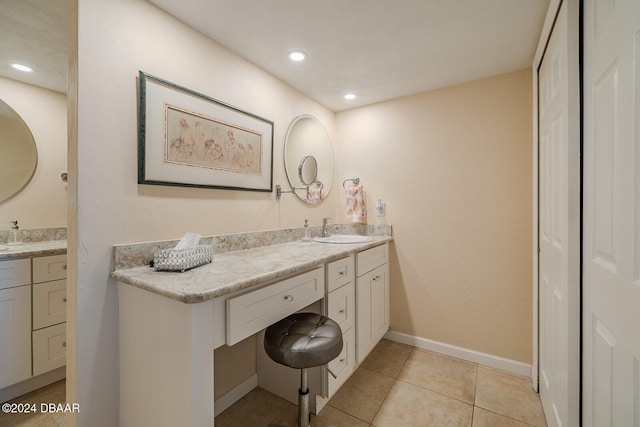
189,139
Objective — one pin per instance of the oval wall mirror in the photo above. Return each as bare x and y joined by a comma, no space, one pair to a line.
308,149
18,153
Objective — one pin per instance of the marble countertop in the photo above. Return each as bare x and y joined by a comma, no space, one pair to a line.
33,249
233,271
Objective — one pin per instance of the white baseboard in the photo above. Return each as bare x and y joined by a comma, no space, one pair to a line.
512,366
235,394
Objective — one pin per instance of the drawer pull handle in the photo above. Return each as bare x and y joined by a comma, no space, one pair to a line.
64,267
288,298
375,279
64,344
342,360
341,311
342,273
64,299
331,372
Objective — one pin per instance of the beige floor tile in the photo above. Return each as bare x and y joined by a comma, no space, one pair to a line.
388,358
53,393
28,420
288,417
362,394
484,418
62,419
509,395
412,406
441,374
329,417
258,408
332,417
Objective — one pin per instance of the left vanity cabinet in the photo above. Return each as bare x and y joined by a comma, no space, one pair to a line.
32,317
15,321
49,313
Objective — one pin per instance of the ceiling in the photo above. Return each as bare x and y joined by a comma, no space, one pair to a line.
377,49
34,33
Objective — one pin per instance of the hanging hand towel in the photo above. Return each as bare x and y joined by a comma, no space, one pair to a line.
314,195
356,210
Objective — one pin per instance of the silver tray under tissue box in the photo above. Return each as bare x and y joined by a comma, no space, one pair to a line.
182,259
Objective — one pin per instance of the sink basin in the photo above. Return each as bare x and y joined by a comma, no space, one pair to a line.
343,238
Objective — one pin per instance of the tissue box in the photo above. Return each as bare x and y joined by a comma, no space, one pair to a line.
182,259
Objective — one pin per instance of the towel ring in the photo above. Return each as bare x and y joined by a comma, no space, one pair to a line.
355,181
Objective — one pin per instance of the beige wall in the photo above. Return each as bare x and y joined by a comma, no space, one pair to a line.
43,202
116,39
454,168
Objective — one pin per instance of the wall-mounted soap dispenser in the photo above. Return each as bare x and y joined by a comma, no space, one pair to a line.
15,237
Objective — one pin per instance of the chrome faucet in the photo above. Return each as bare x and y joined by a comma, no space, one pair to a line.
325,223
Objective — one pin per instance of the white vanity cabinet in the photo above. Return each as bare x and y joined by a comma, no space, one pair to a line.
49,313
372,298
184,317
32,318
15,321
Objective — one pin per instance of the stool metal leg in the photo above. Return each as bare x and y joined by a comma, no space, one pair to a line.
303,400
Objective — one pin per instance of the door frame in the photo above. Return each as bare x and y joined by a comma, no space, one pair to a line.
575,127
545,35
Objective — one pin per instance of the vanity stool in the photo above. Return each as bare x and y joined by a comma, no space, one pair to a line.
301,341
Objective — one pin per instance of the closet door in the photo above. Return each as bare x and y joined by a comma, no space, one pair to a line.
611,204
559,229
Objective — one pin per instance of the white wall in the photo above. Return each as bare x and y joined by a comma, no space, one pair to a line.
116,39
42,203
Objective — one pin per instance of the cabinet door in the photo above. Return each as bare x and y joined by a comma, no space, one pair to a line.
49,348
15,335
372,300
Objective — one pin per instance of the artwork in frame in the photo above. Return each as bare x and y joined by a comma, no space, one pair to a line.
189,139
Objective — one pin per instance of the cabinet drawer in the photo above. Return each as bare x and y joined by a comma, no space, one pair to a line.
256,310
49,303
371,258
48,268
49,348
15,272
342,366
341,306
340,272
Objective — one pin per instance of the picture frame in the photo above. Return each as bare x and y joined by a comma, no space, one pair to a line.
188,139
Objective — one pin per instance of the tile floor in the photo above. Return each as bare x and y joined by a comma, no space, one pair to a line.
399,385
53,393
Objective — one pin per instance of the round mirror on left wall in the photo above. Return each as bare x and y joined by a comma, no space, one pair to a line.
308,158
18,153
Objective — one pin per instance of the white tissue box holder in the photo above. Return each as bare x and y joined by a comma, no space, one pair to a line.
182,259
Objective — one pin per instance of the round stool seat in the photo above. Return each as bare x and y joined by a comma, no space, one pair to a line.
303,340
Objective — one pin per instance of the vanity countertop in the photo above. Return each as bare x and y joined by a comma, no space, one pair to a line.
233,271
33,249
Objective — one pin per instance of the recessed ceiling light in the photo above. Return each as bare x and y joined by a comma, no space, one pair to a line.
350,96
22,68
297,55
